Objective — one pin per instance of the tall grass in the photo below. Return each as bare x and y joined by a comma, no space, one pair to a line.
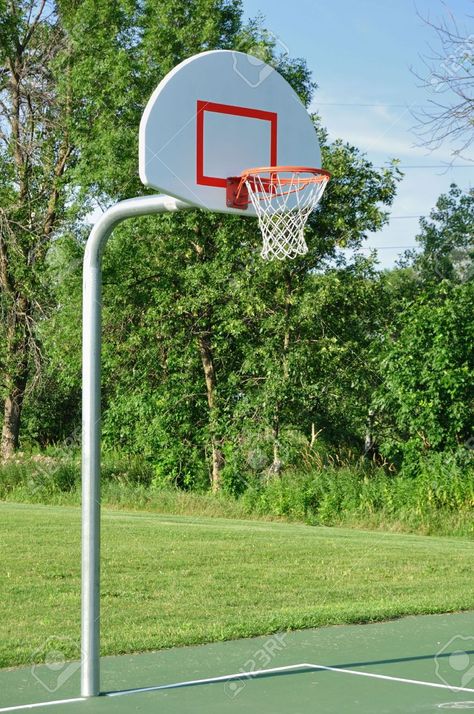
443,505
439,500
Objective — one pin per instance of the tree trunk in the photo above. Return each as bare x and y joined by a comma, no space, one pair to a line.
17,368
217,464
314,435
13,405
369,443
11,418
15,377
276,466
210,377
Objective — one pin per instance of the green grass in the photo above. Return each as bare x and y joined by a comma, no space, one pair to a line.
171,580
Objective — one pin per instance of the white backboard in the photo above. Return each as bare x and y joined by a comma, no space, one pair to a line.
215,115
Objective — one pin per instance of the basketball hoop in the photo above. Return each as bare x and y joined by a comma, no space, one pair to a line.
283,197
229,118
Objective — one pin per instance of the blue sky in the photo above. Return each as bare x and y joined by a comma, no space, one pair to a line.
360,53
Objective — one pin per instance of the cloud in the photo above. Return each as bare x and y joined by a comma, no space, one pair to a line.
383,141
378,128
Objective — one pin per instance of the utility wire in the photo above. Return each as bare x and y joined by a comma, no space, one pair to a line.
363,104
387,247
432,166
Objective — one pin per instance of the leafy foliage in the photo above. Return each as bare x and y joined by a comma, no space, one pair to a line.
218,367
428,389
447,239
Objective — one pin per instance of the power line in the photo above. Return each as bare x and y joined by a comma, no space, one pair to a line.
363,104
387,247
431,166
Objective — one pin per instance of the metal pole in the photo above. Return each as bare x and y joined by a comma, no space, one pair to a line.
91,344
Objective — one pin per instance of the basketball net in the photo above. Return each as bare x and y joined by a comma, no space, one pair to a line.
283,198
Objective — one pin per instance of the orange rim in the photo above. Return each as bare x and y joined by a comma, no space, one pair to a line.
318,174
269,184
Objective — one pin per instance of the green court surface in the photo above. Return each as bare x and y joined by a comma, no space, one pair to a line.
415,664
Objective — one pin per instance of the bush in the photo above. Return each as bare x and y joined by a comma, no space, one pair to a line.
438,499
39,477
367,496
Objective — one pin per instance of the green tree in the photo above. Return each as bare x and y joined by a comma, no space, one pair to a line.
446,239
35,153
257,333
119,84
121,51
427,395
74,80
207,326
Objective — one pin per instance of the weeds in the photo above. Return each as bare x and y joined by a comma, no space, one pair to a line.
337,490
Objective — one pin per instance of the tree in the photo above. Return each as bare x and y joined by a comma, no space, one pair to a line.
308,369
165,34
122,49
74,78
180,330
425,401
35,153
449,76
427,396
291,327
213,343
178,340
446,239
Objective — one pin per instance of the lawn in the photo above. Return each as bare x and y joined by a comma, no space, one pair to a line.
171,580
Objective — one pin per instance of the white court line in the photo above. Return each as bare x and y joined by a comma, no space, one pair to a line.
248,675
306,665
210,680
387,677
20,707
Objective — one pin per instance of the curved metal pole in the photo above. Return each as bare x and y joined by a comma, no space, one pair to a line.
91,344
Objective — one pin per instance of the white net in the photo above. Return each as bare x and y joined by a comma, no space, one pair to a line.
283,205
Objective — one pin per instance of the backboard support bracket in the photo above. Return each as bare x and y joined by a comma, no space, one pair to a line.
237,195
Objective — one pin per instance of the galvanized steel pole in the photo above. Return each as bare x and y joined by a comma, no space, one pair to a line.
91,347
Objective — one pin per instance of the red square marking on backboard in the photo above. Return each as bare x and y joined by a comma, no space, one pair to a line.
203,107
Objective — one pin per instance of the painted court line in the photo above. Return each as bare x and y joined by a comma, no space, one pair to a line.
306,665
387,677
247,675
210,680
20,707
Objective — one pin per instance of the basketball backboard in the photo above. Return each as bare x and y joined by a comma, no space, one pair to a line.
215,115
